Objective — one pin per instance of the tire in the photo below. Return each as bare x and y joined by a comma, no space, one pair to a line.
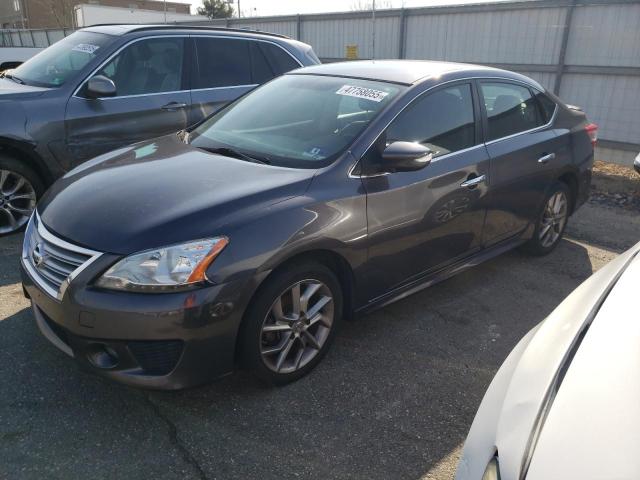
20,189
281,350
551,224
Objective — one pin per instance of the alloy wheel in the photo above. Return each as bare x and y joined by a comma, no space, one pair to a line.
297,326
553,220
17,201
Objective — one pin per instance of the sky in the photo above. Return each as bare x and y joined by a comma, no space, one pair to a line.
291,7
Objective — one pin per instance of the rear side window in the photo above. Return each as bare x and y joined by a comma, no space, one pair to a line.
442,120
510,109
546,105
280,61
222,62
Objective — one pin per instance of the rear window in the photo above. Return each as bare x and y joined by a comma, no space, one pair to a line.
510,109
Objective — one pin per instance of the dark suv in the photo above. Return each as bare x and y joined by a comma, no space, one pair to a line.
105,87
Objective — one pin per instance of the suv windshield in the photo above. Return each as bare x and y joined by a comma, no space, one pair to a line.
55,65
301,121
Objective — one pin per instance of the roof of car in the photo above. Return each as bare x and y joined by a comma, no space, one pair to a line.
123,29
407,72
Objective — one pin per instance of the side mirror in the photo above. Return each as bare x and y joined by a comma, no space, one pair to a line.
406,156
100,87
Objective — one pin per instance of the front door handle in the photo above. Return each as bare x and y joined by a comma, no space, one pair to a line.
472,182
173,106
546,158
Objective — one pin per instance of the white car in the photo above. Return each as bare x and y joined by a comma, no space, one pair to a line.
565,405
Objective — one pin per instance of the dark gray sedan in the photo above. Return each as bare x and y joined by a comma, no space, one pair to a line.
330,191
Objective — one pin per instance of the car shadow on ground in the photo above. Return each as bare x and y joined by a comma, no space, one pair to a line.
396,394
10,249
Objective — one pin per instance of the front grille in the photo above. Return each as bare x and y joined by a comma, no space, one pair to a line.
51,260
157,357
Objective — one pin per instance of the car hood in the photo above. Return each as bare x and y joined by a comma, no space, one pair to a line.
10,90
567,389
592,429
162,192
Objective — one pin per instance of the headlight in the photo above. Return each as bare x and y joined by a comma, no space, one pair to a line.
492,472
162,269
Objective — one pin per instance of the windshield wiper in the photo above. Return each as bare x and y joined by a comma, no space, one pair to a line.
14,78
230,152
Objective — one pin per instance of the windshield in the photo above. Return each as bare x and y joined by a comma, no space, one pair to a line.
55,65
301,121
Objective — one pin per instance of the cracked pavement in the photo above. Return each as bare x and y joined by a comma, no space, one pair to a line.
393,399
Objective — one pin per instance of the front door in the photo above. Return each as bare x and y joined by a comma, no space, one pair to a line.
524,158
151,100
421,221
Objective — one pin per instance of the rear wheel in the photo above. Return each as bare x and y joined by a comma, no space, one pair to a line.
551,222
20,187
291,323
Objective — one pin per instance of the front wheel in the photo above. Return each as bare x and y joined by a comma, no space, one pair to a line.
20,187
291,323
551,222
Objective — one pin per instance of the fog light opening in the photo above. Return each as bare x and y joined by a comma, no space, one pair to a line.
101,356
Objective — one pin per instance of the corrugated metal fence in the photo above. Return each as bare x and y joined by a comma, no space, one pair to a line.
587,51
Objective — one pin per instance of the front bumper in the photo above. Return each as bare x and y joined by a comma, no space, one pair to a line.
160,341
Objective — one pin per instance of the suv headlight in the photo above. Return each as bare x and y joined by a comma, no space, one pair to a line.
166,268
492,472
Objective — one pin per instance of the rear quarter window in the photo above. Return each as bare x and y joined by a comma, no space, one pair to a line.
546,105
280,61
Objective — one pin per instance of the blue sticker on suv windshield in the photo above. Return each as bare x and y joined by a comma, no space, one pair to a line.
314,152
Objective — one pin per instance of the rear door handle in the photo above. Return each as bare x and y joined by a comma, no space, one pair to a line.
472,182
173,106
546,158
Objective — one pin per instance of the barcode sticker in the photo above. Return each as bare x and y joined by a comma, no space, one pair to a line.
85,48
361,92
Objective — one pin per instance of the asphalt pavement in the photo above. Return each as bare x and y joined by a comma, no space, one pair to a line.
394,398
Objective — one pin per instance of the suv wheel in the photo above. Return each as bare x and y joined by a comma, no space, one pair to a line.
20,187
291,323
552,221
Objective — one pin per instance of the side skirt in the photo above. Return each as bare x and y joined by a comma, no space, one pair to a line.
441,275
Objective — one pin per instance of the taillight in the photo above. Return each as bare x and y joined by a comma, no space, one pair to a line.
592,131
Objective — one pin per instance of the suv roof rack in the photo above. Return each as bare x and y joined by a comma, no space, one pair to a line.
178,26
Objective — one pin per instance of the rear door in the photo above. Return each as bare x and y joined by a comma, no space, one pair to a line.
224,68
525,154
421,221
152,99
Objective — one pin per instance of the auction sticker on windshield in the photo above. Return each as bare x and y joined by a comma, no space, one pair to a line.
361,92
85,48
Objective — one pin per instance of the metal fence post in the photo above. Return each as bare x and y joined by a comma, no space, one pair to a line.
402,37
563,47
298,27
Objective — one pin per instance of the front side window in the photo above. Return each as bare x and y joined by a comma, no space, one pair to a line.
147,66
510,109
222,62
63,60
301,121
442,120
